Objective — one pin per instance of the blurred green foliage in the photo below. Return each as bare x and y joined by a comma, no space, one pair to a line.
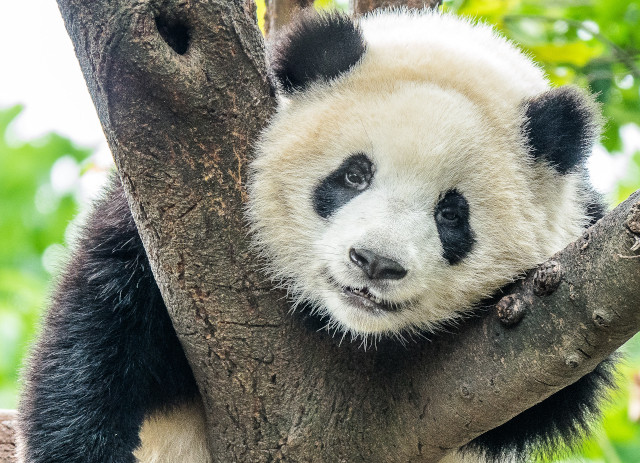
591,43
630,182
33,217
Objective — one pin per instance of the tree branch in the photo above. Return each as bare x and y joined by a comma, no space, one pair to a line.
7,436
181,90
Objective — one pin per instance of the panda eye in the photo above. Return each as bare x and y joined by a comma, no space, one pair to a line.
448,215
451,215
351,178
355,180
452,210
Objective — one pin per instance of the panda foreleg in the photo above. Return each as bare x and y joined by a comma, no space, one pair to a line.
108,356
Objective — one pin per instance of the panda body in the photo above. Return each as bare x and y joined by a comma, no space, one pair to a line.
417,163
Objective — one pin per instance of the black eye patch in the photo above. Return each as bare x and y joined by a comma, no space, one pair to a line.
342,185
452,220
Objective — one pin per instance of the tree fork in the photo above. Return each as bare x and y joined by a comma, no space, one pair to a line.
181,89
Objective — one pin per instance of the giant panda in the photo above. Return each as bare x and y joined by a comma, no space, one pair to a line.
417,163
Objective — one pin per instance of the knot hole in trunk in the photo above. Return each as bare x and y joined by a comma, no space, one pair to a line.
175,32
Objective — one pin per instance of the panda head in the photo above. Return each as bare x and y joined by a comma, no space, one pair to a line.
417,163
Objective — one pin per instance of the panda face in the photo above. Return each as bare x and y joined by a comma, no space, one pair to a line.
394,210
393,199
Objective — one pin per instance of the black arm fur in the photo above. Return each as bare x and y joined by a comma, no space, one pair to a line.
108,354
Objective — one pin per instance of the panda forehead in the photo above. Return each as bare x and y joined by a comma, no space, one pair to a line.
416,128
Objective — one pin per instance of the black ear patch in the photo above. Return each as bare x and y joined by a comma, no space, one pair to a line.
561,127
315,46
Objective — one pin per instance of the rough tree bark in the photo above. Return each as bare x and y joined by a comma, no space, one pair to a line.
181,90
7,444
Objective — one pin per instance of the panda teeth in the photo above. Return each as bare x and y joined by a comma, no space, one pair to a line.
364,292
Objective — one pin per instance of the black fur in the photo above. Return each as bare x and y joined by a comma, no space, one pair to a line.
108,354
334,192
315,47
561,127
554,425
452,220
595,207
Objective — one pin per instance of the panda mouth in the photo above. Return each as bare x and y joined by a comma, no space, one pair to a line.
364,299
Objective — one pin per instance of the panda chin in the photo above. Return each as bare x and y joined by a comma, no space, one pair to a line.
357,310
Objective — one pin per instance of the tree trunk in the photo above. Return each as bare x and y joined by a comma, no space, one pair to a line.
280,12
7,437
181,90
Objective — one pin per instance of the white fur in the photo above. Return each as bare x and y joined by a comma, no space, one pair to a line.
435,103
177,436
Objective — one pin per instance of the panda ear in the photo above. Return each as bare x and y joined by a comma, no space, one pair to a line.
315,47
561,127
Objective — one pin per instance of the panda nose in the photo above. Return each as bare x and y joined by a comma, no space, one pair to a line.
376,267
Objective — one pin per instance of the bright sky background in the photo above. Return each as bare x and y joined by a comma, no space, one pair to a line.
40,71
